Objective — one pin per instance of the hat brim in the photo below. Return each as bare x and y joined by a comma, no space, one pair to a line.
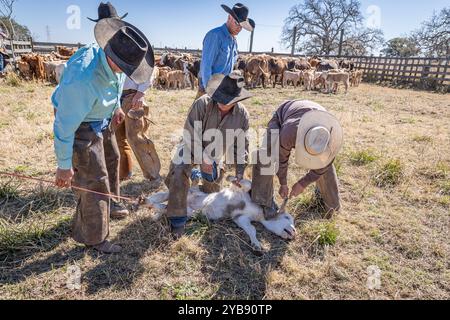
316,118
105,29
213,85
97,20
248,24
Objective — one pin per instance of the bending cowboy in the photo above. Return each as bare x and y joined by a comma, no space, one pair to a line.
220,49
317,137
86,101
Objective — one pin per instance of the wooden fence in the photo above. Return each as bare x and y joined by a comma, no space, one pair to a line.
431,72
426,72
18,47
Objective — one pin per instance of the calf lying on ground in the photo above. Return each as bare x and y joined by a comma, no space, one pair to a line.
232,203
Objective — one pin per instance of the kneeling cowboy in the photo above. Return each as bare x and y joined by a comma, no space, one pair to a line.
317,137
220,109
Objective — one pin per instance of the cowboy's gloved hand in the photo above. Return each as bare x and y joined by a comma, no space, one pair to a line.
284,192
138,100
297,190
119,116
207,166
64,178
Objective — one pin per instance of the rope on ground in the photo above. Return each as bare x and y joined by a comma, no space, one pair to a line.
21,177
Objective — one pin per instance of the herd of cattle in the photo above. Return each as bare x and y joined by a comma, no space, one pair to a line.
178,71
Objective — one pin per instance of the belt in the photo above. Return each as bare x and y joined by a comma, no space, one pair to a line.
128,92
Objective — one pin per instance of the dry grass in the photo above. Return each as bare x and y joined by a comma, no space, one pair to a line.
398,136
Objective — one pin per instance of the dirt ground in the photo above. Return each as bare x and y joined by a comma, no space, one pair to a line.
395,180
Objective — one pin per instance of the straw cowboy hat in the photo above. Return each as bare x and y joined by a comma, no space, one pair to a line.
107,10
127,46
319,139
227,90
240,14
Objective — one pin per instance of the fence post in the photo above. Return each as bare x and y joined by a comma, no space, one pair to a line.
341,42
32,44
13,51
445,71
251,40
294,39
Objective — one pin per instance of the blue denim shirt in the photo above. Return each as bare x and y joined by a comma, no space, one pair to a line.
220,53
89,92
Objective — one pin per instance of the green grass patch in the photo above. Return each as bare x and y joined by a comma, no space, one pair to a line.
444,187
9,190
21,169
181,292
31,234
443,169
407,121
198,225
423,139
390,174
13,80
326,233
363,157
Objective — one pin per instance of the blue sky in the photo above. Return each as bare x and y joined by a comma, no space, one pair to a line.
177,23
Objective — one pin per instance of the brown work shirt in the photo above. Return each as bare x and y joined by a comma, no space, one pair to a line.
286,119
206,111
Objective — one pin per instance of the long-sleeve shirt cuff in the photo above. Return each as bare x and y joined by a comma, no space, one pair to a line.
65,164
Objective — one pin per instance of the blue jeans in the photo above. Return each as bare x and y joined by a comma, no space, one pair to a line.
2,62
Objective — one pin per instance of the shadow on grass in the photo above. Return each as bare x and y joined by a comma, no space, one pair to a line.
229,262
234,268
17,247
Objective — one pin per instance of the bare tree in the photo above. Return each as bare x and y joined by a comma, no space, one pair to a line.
434,36
320,22
7,11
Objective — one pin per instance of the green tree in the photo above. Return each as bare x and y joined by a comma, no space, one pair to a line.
401,47
21,31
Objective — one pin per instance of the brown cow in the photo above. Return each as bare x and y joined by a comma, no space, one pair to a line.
258,69
277,67
24,69
36,63
175,79
66,52
314,61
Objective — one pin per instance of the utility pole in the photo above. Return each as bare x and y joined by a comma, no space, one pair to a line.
251,41
47,29
341,41
294,39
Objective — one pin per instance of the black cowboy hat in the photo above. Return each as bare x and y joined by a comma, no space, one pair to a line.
107,10
240,14
127,46
227,90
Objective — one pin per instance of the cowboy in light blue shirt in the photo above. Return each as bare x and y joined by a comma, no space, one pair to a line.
220,49
89,92
86,101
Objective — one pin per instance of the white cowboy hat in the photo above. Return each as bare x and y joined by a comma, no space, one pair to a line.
319,139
